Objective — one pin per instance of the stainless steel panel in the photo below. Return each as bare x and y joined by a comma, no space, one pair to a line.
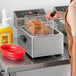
48,45
63,70
29,40
38,46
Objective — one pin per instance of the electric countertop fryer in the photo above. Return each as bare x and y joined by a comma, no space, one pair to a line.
37,45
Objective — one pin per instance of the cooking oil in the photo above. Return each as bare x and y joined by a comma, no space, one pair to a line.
6,32
6,36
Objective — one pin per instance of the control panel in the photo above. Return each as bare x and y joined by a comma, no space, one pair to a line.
61,8
20,14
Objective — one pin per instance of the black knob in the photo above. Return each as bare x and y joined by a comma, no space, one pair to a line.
23,38
53,13
36,12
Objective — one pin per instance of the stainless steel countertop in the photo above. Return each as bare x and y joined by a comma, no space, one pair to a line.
29,64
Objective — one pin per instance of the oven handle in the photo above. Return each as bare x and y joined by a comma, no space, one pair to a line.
23,38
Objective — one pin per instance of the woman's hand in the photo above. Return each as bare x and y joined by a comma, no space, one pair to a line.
58,14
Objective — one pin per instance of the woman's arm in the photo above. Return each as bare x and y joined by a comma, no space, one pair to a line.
69,35
73,60
71,20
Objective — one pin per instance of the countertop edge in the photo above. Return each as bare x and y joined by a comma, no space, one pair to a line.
37,66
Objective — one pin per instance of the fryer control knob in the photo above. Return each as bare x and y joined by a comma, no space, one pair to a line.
23,38
36,12
30,13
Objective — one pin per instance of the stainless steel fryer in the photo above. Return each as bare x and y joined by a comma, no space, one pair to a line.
39,45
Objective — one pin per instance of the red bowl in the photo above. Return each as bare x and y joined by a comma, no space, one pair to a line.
13,52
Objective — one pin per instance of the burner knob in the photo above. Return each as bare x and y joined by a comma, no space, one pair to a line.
23,38
36,12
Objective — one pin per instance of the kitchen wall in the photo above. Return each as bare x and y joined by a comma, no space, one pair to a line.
29,4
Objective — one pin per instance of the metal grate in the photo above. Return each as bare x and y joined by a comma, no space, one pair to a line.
41,18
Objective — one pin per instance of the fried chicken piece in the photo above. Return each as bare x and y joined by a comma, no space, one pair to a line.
36,27
44,31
